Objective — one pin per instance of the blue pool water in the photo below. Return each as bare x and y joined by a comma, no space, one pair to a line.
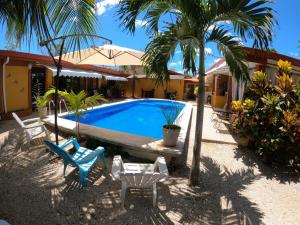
142,117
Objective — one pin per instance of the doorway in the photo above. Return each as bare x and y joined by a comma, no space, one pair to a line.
37,84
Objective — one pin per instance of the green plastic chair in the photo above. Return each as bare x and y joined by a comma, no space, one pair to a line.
83,158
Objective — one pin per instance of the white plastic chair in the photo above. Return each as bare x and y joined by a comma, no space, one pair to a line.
31,127
138,175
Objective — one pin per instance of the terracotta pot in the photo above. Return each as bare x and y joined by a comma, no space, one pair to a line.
170,135
42,112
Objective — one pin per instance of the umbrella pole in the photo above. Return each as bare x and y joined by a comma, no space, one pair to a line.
133,86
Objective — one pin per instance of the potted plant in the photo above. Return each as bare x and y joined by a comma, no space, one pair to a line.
41,104
170,130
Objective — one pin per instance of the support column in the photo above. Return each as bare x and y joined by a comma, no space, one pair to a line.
1,91
229,92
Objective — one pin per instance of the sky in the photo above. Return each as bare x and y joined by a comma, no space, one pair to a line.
286,37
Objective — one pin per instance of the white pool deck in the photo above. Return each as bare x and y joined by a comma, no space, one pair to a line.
217,134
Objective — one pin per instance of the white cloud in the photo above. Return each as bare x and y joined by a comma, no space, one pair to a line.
105,5
208,51
175,63
141,23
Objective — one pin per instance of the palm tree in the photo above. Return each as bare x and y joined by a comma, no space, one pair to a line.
191,25
79,104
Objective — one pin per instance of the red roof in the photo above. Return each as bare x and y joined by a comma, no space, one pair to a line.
42,59
261,56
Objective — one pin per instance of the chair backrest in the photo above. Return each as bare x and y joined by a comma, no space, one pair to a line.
142,179
19,121
60,152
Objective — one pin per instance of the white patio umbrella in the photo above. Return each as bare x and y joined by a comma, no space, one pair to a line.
107,55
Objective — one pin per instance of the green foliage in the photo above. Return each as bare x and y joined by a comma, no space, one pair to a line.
270,116
78,103
41,101
196,91
49,20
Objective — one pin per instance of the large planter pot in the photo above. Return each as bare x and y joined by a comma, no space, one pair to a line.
170,135
42,112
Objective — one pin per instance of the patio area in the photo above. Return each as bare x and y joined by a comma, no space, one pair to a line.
235,188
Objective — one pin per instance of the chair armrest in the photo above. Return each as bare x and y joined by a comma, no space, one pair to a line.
117,167
34,126
31,120
89,157
161,164
66,143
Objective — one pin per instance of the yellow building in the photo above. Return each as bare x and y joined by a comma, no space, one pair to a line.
25,75
140,86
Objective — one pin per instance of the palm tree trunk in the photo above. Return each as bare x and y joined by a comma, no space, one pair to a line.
195,170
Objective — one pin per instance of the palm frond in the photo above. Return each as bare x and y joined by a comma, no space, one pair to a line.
252,20
23,18
74,19
232,51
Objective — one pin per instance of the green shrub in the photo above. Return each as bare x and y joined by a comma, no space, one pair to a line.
270,116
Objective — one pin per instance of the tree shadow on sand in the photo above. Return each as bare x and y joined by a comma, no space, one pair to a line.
34,191
284,174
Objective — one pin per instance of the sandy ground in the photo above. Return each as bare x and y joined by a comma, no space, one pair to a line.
234,189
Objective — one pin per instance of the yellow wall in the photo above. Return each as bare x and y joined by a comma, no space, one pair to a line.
49,79
16,88
218,101
148,84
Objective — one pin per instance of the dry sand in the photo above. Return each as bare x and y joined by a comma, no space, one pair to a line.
234,189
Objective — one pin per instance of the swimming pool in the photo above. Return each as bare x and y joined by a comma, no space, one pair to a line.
139,117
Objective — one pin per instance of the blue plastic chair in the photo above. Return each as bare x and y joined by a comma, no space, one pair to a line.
83,158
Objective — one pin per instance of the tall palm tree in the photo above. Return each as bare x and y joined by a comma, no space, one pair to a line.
191,25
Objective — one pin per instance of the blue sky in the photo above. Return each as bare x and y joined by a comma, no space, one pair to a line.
286,36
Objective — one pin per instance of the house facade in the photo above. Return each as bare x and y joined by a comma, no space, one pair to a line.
140,85
24,76
222,87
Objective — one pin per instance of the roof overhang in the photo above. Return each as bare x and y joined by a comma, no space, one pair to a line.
144,76
115,78
68,72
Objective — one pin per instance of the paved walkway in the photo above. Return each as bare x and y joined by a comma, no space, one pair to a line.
214,130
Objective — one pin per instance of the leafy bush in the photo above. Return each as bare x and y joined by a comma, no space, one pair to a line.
270,116
41,101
